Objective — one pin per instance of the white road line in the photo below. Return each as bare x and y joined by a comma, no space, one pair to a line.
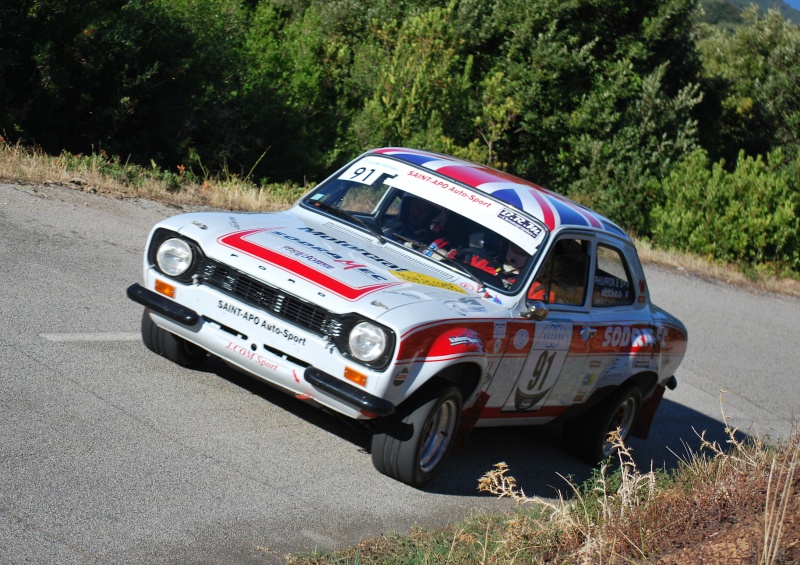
105,336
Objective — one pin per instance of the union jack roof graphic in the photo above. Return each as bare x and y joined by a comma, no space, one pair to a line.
554,210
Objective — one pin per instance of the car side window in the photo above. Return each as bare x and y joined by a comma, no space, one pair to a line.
612,281
563,277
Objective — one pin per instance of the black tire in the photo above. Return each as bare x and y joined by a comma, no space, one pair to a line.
587,437
166,344
414,448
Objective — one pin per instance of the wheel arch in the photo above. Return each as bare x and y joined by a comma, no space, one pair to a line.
466,376
645,380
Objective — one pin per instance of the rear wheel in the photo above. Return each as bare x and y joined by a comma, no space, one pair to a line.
414,448
176,349
589,437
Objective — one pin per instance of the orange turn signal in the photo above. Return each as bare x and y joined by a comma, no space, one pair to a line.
165,288
355,376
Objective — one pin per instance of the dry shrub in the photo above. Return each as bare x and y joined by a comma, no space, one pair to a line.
724,505
102,174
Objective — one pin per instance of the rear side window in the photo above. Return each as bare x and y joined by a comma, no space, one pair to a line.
612,281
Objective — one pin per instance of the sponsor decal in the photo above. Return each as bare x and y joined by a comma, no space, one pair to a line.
233,223
252,356
554,336
401,377
263,324
521,339
239,242
342,243
411,295
307,257
498,343
466,339
612,287
466,306
500,329
430,340
240,312
419,278
627,336
528,226
453,188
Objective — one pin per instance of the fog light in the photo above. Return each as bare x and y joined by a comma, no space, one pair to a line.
356,377
165,288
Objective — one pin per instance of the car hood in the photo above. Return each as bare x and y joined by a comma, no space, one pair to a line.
325,261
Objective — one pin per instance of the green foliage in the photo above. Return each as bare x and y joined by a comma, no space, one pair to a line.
750,215
720,13
421,89
602,96
620,174
598,99
752,76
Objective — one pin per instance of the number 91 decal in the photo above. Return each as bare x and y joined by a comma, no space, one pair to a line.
541,369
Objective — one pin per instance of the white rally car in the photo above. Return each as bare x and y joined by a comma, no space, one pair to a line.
421,295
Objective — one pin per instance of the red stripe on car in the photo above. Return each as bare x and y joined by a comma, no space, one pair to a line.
238,242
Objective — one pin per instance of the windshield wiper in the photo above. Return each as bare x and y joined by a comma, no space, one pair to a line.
345,215
459,266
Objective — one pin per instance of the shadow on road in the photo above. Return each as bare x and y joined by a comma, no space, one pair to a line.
541,467
533,453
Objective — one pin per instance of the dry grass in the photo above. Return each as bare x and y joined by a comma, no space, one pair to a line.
731,505
707,267
735,504
104,175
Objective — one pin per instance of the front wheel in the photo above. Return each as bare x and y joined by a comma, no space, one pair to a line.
176,349
589,437
414,448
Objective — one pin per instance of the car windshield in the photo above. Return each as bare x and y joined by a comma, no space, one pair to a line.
462,228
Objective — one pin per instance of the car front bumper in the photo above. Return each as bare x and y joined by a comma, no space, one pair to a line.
330,391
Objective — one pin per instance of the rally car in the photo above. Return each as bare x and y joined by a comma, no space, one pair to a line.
421,295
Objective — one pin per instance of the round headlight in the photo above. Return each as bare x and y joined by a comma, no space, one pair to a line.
367,341
174,257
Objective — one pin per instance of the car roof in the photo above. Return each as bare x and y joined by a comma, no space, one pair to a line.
553,210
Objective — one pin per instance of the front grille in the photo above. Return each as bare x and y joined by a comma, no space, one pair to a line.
273,300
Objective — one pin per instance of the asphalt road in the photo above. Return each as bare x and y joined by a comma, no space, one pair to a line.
111,454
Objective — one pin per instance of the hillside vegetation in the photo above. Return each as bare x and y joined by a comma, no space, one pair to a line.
686,133
727,13
683,132
723,506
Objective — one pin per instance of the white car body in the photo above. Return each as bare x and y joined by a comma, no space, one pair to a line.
272,293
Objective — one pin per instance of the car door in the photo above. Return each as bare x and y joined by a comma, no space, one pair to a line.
542,355
624,340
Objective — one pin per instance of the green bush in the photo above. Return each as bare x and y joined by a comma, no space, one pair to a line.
751,78
749,216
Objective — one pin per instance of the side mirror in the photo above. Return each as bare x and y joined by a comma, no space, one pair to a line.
537,311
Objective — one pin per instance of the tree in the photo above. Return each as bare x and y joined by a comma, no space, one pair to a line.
751,75
603,95
423,87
